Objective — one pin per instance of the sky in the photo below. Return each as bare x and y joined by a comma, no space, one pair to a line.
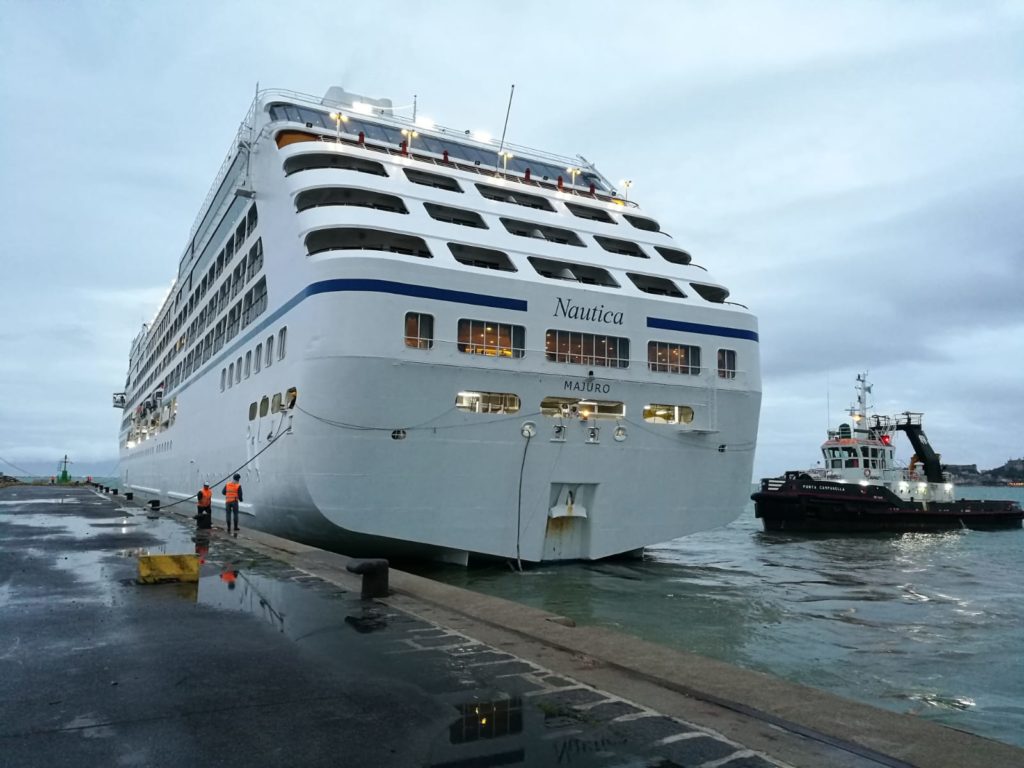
852,172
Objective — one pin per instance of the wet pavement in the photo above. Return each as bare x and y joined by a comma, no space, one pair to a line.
263,663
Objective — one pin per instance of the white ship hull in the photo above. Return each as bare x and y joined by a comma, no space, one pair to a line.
374,458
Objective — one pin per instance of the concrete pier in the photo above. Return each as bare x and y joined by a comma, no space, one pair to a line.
272,658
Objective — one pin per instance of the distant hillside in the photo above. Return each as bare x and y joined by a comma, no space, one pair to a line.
1011,472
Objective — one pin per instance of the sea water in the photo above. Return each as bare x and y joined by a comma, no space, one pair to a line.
925,624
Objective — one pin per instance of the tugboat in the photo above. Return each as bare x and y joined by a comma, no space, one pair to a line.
859,488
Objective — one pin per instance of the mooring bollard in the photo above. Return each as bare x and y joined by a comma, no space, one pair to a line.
375,576
154,504
128,495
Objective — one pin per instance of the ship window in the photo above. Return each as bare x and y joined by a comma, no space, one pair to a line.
593,214
238,371
668,414
484,337
231,375
251,219
308,162
270,351
360,198
586,349
487,402
625,247
248,364
508,195
648,225
727,364
713,293
258,358
852,463
485,258
574,407
455,215
561,270
659,286
865,451
282,337
836,464
291,397
362,239
419,330
264,406
673,358
252,411
240,233
223,376
542,232
255,302
275,404
674,255
436,180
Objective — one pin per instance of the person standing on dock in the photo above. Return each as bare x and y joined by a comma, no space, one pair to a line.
232,495
204,507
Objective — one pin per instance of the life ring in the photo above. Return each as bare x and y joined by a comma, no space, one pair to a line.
867,473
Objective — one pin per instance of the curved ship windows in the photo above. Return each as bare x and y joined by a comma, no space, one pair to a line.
586,349
264,406
668,414
364,239
484,337
648,225
561,270
727,363
257,362
275,403
291,396
231,375
252,411
248,364
269,360
659,286
714,293
282,337
484,258
625,247
435,180
675,255
223,377
542,232
360,198
664,357
318,160
455,216
508,195
590,213
487,402
419,330
582,408
238,371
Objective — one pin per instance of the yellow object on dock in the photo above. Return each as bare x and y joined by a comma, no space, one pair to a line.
154,569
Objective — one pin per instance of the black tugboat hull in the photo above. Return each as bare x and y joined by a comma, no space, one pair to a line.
800,504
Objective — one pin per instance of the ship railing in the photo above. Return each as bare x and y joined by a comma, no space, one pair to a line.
487,171
401,121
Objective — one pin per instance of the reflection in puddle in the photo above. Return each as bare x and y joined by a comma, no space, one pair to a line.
487,720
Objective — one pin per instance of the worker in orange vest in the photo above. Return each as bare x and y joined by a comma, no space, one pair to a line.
232,495
204,507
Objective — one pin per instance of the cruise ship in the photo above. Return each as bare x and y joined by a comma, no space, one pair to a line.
411,340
